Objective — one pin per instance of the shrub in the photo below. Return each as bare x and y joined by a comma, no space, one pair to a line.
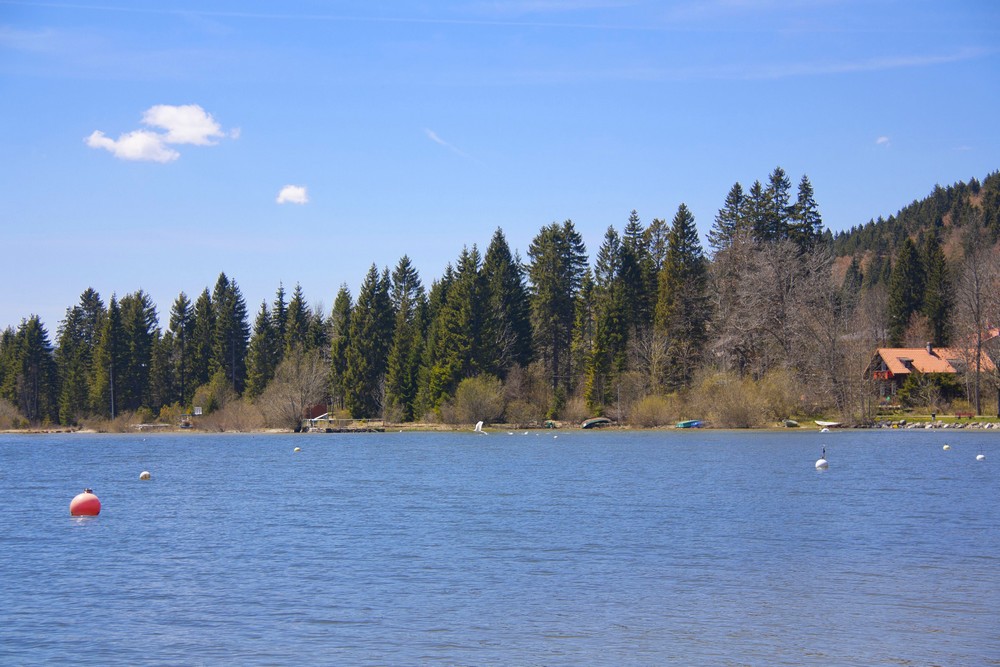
726,400
215,394
10,418
478,398
777,394
575,410
656,410
241,415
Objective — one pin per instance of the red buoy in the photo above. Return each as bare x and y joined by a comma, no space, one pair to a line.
85,504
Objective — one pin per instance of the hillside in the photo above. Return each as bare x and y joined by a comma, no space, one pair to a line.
947,210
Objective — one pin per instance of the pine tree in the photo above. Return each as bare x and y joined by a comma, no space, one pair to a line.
457,353
757,213
279,319
403,366
558,262
181,330
297,323
141,333
35,378
231,333
729,221
202,332
607,358
262,353
937,299
638,278
110,360
906,291
806,227
779,210
505,310
369,341
77,338
340,325
683,305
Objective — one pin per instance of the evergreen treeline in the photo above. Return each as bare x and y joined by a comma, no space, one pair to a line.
552,335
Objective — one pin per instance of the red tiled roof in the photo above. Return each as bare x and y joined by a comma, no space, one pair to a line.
900,360
896,359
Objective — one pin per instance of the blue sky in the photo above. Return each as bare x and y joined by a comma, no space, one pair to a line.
149,144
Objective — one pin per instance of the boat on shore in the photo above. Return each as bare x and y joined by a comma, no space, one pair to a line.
596,422
690,423
828,424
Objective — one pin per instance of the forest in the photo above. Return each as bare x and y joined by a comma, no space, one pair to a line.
777,317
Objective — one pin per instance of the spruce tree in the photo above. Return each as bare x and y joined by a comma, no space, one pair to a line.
139,326
297,320
806,228
458,352
779,209
558,261
340,325
231,333
505,310
202,331
607,358
262,353
368,346
906,291
729,221
77,338
757,213
403,365
36,378
110,359
638,278
181,330
937,299
683,305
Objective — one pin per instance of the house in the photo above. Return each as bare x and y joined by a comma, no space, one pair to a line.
890,366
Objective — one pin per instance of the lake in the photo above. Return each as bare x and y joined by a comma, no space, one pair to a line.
590,548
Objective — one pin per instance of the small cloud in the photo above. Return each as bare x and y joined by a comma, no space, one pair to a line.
293,194
140,145
184,124
882,141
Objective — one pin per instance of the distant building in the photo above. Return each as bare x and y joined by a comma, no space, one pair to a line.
890,366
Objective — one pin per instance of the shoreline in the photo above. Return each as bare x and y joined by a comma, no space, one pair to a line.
985,423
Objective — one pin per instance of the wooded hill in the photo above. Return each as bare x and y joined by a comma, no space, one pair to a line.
779,317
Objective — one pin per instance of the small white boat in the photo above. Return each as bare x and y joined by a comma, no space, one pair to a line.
828,424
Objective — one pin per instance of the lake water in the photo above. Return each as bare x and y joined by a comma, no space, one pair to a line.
590,548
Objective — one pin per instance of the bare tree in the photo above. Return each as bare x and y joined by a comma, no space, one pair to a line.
300,381
975,290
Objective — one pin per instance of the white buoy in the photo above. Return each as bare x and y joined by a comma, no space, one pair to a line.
946,447
144,474
822,464
824,430
297,449
980,457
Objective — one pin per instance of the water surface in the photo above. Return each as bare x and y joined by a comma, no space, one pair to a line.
590,548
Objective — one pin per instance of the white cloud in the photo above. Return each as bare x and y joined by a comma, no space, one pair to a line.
293,194
141,145
882,141
185,124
